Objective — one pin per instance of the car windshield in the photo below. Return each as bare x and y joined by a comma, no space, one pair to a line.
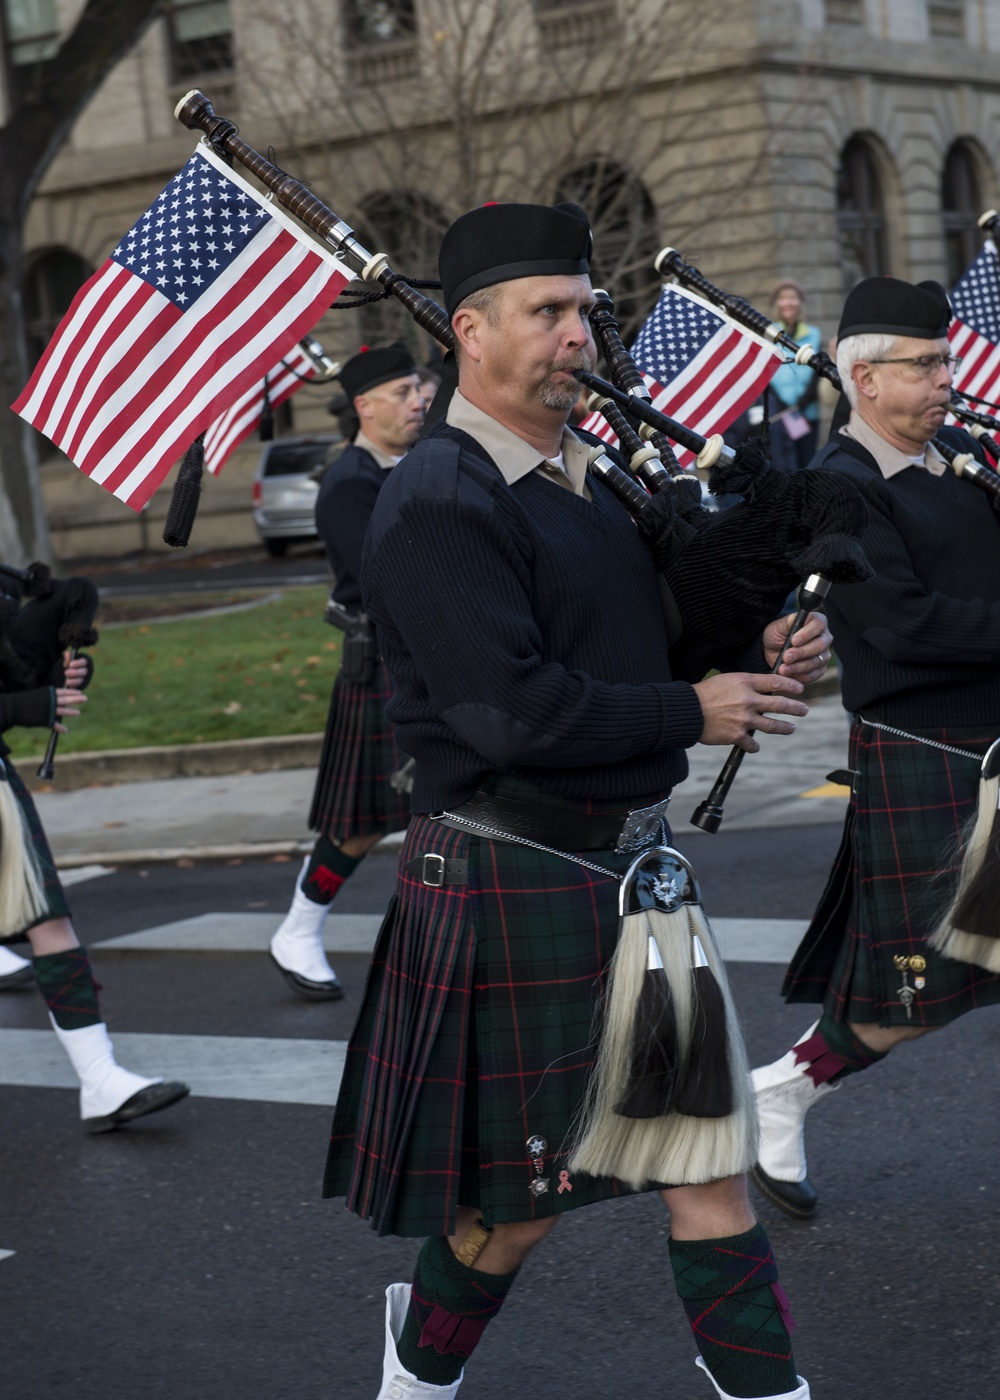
293,458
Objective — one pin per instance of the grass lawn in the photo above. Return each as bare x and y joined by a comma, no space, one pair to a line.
265,670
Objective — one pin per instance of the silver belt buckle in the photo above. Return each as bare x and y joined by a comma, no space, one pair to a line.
645,826
433,871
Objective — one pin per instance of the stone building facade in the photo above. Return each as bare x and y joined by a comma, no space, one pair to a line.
823,139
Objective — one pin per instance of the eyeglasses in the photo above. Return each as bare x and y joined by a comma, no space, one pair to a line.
925,366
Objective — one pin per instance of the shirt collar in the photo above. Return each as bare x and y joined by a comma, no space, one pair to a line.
514,457
890,460
361,439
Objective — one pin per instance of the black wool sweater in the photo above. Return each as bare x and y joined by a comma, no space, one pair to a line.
344,506
524,633
919,644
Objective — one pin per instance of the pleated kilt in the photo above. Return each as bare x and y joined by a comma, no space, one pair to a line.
476,1032
55,896
353,795
893,877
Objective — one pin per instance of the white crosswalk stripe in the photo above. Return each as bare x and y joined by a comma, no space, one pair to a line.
216,1066
741,940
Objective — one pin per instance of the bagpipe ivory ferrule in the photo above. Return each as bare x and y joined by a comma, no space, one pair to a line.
711,452
669,1101
969,930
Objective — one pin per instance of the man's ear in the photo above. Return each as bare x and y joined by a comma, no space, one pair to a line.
363,407
466,324
863,375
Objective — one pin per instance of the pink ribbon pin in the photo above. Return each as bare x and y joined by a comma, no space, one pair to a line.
564,1182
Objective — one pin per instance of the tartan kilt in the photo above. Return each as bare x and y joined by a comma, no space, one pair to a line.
892,879
476,1033
353,795
55,895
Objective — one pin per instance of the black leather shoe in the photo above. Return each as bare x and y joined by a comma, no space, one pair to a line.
308,990
149,1100
21,978
795,1198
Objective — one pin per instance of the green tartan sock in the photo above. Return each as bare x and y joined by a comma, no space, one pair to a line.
738,1312
67,984
842,1042
327,870
449,1308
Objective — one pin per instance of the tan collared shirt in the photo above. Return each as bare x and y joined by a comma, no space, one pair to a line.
382,458
890,460
517,458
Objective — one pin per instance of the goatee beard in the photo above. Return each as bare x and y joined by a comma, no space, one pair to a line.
562,396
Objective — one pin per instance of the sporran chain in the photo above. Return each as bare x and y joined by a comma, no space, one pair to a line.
916,739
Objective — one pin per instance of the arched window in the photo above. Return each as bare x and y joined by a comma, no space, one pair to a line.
626,238
961,205
861,223
408,228
52,281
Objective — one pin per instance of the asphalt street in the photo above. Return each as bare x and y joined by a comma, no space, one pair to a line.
191,1255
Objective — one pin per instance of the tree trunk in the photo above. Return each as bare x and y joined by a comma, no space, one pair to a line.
24,533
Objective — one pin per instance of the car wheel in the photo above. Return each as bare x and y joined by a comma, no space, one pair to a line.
276,548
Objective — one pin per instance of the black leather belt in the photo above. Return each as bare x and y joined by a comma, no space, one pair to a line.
561,828
435,871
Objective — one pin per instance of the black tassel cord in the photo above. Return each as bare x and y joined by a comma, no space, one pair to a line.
185,497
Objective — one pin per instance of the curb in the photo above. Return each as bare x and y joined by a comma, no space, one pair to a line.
168,855
212,760
105,767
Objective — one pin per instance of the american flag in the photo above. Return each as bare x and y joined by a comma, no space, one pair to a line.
203,295
975,331
699,366
242,417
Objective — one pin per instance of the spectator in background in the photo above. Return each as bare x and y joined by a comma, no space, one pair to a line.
793,390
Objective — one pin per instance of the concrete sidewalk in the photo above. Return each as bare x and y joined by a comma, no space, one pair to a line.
266,813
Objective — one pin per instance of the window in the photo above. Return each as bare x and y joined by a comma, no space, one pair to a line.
201,37
32,29
380,21
626,239
860,215
575,23
845,12
52,282
947,18
961,205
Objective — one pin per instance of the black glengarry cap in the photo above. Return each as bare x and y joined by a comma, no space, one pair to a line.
371,367
501,242
887,306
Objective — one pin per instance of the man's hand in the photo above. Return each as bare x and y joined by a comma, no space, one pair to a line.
737,702
75,671
68,701
806,659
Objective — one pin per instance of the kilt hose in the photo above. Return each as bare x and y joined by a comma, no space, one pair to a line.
353,795
55,895
476,1032
891,881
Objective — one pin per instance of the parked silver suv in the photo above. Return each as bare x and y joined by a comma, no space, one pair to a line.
285,487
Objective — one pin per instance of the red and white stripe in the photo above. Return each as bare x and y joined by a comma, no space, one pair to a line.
721,382
243,417
128,381
979,373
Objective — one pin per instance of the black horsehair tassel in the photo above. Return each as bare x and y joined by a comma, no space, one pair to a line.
653,1071
706,1086
266,416
186,495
